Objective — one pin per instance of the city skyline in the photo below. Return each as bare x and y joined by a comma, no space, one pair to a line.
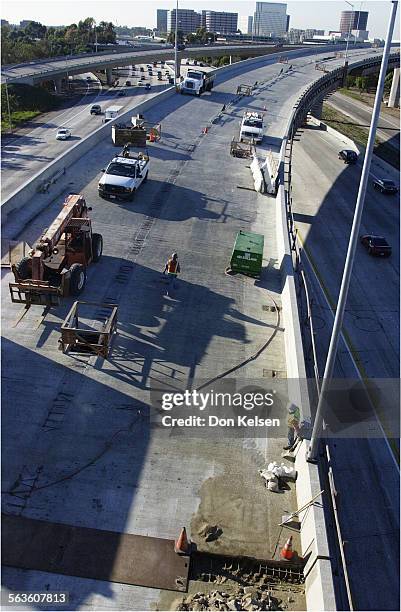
304,14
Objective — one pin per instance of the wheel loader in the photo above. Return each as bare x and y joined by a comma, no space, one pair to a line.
56,266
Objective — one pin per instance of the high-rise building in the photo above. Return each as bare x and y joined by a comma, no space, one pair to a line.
353,20
250,24
161,17
270,19
221,22
188,20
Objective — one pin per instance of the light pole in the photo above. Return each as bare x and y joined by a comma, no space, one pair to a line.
357,23
349,33
176,48
353,241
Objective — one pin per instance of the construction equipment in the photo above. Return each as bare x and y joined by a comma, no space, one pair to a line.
244,90
77,336
247,255
56,266
239,149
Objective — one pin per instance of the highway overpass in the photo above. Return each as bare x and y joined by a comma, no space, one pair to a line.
36,72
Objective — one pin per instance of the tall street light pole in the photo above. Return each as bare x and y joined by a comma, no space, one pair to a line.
349,33
176,48
357,23
353,241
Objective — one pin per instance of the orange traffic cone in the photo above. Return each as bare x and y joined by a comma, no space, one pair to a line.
182,546
287,552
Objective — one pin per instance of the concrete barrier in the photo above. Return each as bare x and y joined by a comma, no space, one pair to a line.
258,178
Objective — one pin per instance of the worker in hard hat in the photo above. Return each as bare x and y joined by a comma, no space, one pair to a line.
126,150
172,268
293,421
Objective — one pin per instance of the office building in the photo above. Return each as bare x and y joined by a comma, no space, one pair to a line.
295,36
353,20
270,19
250,24
188,20
220,22
161,20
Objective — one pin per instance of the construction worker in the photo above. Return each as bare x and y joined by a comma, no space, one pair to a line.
172,268
126,150
293,421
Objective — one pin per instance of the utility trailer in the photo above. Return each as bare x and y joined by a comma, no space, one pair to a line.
56,266
135,134
244,90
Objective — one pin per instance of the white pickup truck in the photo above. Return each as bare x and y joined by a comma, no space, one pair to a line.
123,176
251,127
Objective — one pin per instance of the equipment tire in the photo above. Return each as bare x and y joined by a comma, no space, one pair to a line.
77,279
145,178
24,268
132,196
97,247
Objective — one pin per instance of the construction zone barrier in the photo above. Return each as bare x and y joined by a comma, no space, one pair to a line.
287,552
257,174
182,545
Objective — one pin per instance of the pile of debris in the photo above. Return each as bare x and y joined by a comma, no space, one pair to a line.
244,598
276,473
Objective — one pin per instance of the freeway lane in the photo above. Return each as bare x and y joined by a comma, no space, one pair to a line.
324,218
388,126
365,475
24,155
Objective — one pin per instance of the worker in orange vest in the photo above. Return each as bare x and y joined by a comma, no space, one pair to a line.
172,268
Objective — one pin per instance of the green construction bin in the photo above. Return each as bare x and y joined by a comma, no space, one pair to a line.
247,254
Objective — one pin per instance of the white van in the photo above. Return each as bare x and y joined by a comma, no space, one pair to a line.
111,112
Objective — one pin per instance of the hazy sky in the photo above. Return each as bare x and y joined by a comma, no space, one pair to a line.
319,14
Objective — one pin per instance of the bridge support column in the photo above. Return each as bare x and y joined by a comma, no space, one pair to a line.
317,109
231,60
394,99
58,84
109,76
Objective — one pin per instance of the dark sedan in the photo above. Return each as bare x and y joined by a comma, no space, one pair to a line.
376,245
385,186
348,156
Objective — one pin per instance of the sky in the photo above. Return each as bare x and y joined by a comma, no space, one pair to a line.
318,14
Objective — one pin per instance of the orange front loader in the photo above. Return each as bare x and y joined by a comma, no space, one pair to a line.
56,266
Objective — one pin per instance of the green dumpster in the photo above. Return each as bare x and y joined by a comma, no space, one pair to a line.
247,253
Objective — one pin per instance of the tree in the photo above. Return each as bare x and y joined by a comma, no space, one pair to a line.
361,83
171,37
34,29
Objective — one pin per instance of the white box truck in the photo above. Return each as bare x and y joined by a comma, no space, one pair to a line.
111,112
